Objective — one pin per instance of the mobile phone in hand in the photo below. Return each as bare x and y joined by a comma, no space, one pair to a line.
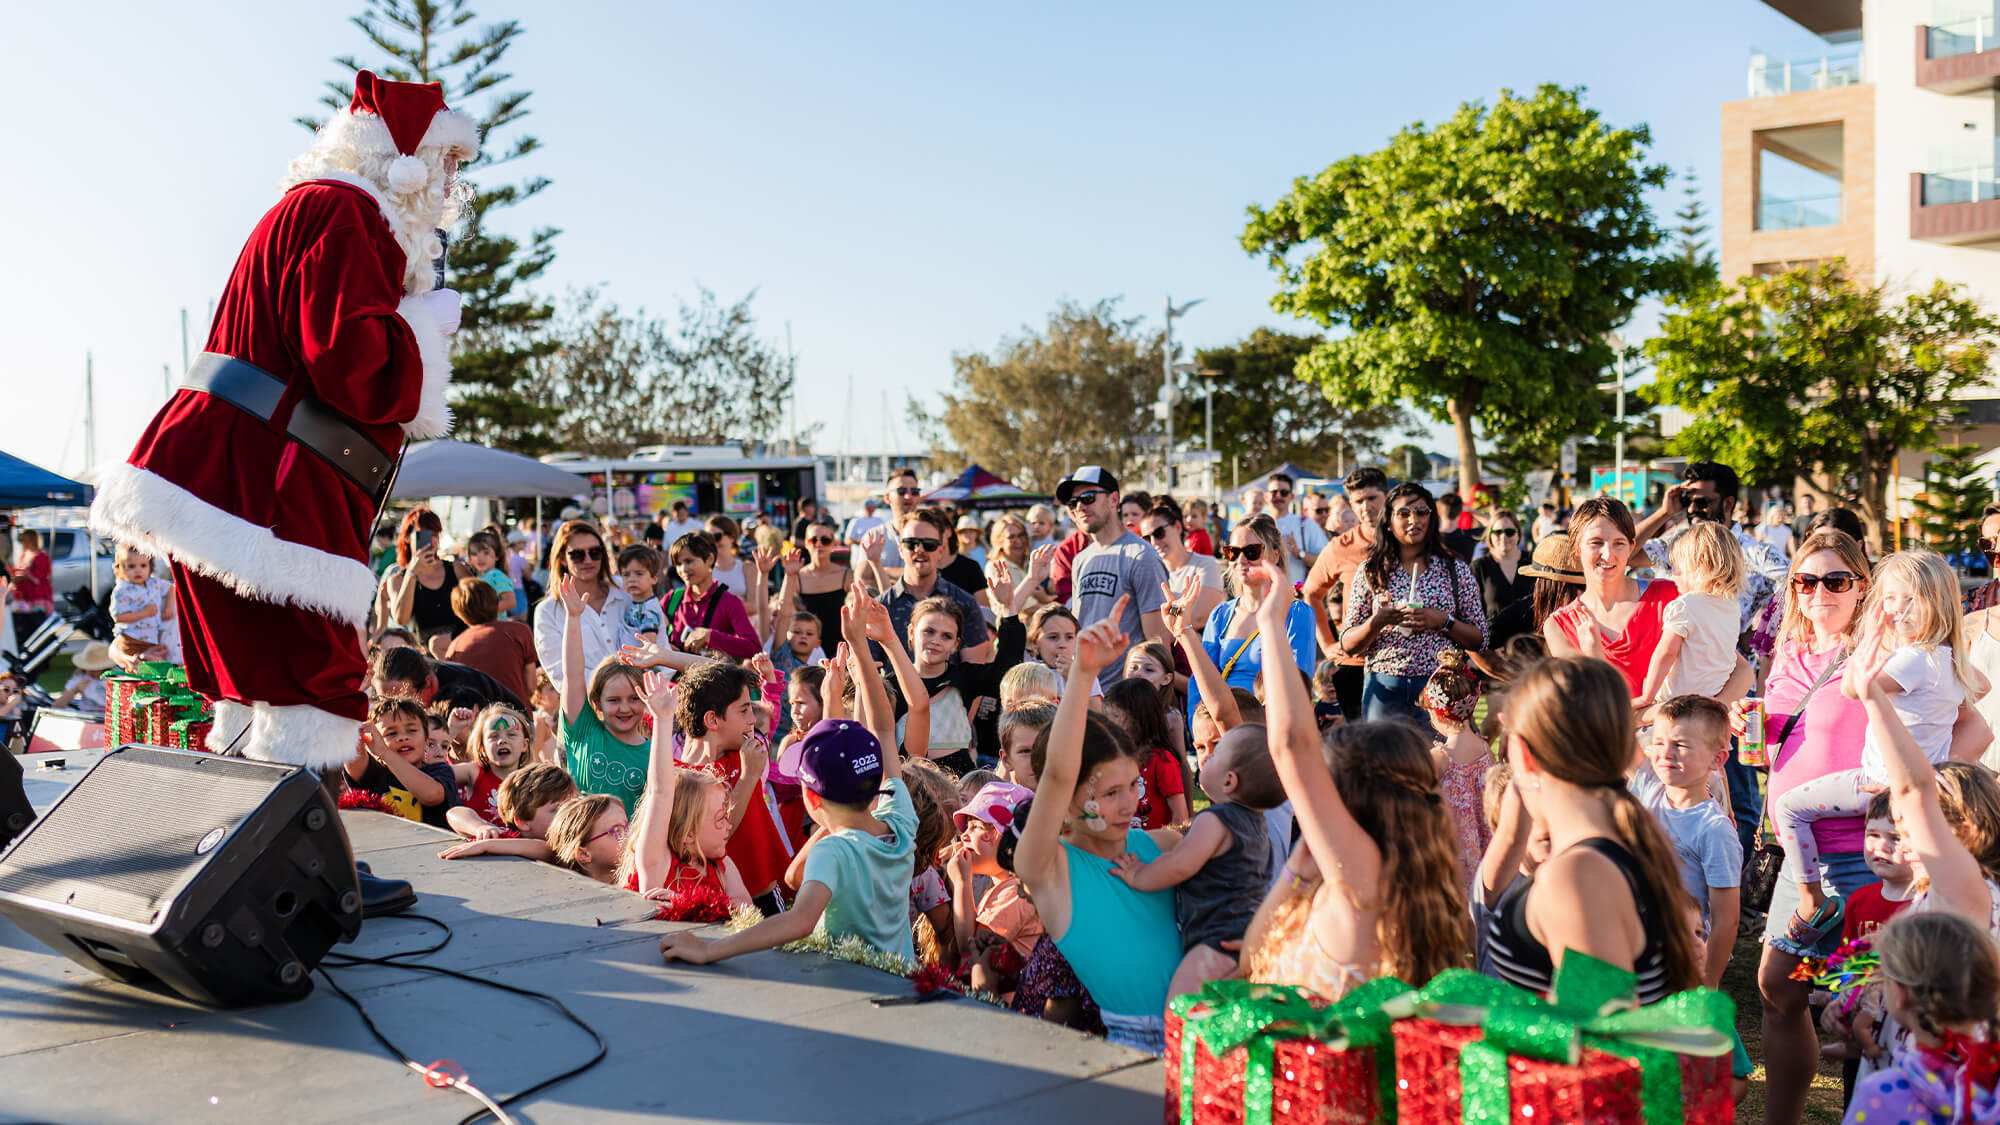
423,539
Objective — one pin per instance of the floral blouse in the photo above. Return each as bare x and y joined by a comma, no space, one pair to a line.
1445,584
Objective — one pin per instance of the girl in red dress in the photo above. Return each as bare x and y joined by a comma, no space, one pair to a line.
716,713
679,845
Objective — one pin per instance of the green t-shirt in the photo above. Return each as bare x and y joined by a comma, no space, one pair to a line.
601,763
869,877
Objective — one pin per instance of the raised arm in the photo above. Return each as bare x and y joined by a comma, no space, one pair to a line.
1036,854
1329,830
860,618
1508,848
652,851
1210,687
576,681
917,717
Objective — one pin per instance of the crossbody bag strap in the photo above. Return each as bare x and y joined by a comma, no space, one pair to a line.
1785,731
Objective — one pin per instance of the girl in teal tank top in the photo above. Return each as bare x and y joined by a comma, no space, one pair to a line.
1123,944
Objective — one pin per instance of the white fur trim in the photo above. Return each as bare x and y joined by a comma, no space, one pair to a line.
144,508
450,128
302,735
231,720
433,418
407,174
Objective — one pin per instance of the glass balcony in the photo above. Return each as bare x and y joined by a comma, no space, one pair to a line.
1770,77
1968,36
1966,174
1798,214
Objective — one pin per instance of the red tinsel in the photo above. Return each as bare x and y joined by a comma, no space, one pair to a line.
362,799
930,979
698,902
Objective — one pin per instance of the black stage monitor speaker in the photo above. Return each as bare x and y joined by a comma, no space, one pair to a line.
15,811
223,879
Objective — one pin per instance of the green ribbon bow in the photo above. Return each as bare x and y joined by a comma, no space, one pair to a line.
1256,1017
1593,1007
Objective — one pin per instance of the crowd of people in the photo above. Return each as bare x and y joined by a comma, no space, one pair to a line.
1089,768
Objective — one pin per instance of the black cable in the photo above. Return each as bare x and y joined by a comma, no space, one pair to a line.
395,961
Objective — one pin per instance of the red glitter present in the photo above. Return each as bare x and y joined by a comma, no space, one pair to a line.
1310,1082
1601,1089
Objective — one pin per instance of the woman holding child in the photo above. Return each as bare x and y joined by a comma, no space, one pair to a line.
579,552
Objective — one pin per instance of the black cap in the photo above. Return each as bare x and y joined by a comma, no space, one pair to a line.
1090,476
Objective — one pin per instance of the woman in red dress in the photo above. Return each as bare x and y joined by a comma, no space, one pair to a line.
1617,618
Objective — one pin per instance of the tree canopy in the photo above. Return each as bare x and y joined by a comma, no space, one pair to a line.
1077,392
1812,374
1476,267
1266,415
500,335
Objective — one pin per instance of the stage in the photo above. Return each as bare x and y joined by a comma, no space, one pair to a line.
772,1037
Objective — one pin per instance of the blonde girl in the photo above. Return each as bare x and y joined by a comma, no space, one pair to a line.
1373,887
1697,650
142,604
588,836
1912,619
680,839
499,745
1941,979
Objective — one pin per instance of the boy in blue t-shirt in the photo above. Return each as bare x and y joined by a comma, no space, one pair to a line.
639,573
858,869
1690,736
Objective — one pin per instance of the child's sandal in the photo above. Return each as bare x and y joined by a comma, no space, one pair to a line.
1806,932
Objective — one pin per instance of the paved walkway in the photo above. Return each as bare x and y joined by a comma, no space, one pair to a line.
771,1037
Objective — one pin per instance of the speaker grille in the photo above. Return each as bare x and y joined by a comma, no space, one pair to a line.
126,842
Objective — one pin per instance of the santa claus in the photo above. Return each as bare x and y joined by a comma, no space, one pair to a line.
261,478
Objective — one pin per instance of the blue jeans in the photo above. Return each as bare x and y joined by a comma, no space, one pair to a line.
1841,874
1393,697
1745,800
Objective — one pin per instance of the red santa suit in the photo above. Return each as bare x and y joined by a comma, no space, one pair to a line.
268,540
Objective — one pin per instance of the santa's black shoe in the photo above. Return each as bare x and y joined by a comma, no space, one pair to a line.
381,896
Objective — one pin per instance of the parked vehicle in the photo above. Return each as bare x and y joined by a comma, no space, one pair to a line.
70,562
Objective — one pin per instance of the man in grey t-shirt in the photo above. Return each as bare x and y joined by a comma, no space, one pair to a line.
1115,564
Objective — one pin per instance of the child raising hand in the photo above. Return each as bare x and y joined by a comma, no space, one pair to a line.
680,840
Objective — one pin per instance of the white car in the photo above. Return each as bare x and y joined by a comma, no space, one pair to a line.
70,564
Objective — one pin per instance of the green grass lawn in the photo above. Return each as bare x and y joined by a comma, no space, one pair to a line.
1740,981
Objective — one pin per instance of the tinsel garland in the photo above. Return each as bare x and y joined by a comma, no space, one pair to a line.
361,799
924,978
699,902
1844,973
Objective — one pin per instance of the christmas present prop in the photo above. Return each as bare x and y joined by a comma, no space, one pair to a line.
1484,1053
1240,1053
123,722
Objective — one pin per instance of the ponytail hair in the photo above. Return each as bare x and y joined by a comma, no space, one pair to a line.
1385,777
1574,716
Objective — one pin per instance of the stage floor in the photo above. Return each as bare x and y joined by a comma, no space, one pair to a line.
771,1037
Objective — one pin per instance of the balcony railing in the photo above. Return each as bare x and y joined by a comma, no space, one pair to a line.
1974,180
1800,213
1770,77
1968,36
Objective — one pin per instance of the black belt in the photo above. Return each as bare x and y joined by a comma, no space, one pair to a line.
257,393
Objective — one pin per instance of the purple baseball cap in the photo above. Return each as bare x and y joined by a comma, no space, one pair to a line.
841,761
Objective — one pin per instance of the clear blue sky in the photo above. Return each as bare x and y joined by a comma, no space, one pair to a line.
899,183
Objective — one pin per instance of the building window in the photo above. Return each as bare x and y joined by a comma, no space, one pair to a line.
1798,176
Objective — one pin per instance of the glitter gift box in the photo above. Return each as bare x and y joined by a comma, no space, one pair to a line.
1250,1054
1482,1052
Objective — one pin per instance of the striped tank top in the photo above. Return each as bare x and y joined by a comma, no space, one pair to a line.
1520,959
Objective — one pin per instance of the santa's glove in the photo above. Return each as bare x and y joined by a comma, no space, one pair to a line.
443,306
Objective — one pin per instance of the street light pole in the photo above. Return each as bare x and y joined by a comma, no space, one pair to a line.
1208,434
1167,390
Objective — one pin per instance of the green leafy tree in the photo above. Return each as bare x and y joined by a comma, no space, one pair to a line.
1813,375
1956,492
1266,415
1077,392
1477,266
1691,229
501,334
622,380
1407,462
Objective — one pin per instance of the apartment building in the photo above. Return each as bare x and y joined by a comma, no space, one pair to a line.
1879,146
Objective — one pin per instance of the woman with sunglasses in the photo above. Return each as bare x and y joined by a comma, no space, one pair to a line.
1012,542
1409,601
813,581
579,551
1232,638
1498,571
1822,603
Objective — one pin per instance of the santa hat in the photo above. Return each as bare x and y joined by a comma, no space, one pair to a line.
415,115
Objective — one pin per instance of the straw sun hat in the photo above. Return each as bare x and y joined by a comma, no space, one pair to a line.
1552,560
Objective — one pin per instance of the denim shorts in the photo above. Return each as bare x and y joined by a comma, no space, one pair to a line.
1841,873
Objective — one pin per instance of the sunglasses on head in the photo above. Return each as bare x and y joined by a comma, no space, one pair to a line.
1249,552
1084,499
585,554
616,832
914,543
1839,582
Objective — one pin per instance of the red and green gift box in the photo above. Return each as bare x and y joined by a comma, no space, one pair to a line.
1240,1053
1478,1051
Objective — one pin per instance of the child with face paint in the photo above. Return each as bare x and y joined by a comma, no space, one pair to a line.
499,746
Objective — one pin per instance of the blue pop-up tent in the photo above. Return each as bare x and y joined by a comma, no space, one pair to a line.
23,485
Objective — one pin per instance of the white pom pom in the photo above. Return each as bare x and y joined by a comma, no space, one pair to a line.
407,174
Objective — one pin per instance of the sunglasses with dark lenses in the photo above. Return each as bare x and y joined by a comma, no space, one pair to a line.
585,554
1839,582
1159,533
1989,545
913,543
1507,532
1249,552
1278,493
823,540
1411,513
1084,499
909,492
